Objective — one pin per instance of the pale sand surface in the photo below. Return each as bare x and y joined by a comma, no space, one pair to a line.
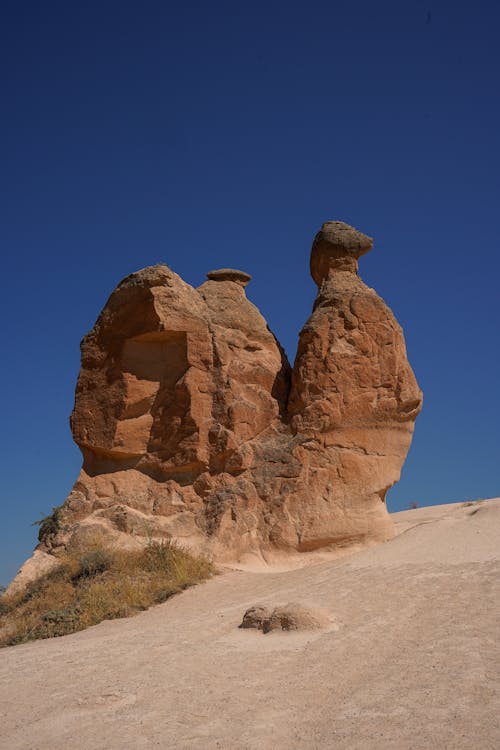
411,661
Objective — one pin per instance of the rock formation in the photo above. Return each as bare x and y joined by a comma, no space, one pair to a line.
293,616
354,398
192,424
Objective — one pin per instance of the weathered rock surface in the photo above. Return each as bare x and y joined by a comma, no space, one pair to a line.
354,398
410,660
192,424
293,616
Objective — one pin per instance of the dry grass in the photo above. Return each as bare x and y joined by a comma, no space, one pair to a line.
468,503
98,584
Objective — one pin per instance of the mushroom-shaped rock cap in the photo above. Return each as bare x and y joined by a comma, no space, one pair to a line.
229,274
337,245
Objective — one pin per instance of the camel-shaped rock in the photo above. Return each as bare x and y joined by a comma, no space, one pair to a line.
193,426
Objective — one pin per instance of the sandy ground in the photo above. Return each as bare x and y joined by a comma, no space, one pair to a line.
411,660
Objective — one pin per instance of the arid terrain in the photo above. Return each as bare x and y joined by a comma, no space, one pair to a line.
410,660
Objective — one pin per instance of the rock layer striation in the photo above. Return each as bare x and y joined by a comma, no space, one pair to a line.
193,425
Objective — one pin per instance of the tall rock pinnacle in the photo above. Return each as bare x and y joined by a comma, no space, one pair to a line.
353,396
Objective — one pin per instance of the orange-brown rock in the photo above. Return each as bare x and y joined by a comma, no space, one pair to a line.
354,397
193,426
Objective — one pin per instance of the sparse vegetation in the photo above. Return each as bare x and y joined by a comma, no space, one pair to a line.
49,525
468,503
94,563
98,584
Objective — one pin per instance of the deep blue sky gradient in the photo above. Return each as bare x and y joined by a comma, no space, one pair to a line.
211,134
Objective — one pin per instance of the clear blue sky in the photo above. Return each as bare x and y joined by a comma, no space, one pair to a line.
211,134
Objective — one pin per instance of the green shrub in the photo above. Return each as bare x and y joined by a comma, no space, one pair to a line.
49,525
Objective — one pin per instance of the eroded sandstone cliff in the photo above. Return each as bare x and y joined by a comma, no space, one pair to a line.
192,424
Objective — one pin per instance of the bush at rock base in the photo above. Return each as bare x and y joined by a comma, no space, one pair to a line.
100,584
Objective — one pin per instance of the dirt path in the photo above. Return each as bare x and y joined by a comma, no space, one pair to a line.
412,660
